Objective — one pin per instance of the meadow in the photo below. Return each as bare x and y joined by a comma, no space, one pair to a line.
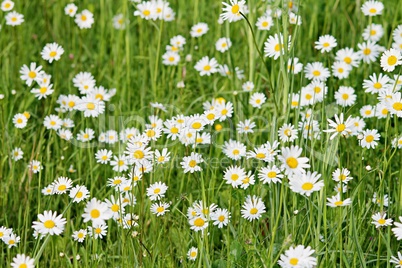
202,133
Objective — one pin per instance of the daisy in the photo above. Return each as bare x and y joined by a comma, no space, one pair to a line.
116,206
234,150
373,32
223,44
397,142
292,163
390,59
14,18
35,166
86,135
341,69
7,5
348,56
257,100
20,121
397,261
190,163
339,126
119,163
345,96
369,51
295,19
270,174
316,70
380,220
23,261
245,127
220,217
91,106
341,175
306,183
398,229
97,212
156,191
274,46
192,254
370,138
198,223
111,136
199,29
287,133
79,193
70,9
253,208
12,240
206,66
234,175
17,154
232,12
62,185
376,84
31,74
97,230
380,201
5,232
372,8
119,23
294,66
85,82
49,223
79,235
367,111
43,91
85,19
394,105
264,22
248,86
336,201
261,153
52,51
52,122
159,209
325,43
298,256
170,58
224,110
146,10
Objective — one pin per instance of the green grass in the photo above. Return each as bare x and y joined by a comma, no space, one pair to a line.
131,61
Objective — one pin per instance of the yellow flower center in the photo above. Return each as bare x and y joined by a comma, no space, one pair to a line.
260,155
71,104
121,163
235,9
366,51
157,191
196,125
79,195
307,186
83,17
199,222
95,213
292,162
62,187
192,163
161,158
246,180
235,152
392,60
277,47
308,96
115,208
49,224
338,203
146,12
369,138
340,127
43,90
19,121
316,73
90,106
80,235
224,112
348,60
381,221
160,209
151,133
397,106
218,127
53,123
372,10
342,177
98,230
99,96
253,211
326,44
53,54
373,32
345,96
294,261
234,177
174,130
340,70
271,174
264,24
139,154
32,74
14,19
171,59
207,67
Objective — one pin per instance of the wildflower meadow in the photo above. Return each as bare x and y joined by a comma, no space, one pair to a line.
200,133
